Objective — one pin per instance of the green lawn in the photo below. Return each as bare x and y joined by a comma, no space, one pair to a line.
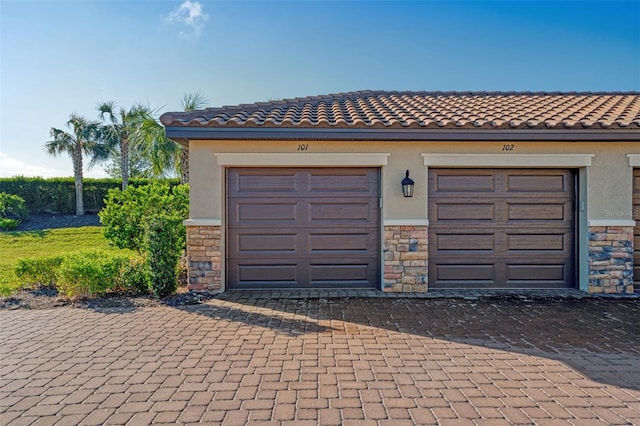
15,245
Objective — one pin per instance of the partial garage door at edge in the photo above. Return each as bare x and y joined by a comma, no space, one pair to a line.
501,228
636,230
303,228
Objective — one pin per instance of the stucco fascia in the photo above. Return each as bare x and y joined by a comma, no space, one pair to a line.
507,160
325,159
607,168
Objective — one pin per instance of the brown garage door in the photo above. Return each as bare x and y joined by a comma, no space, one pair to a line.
636,230
501,228
303,228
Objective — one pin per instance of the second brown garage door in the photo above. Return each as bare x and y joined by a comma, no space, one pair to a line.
303,228
501,228
636,230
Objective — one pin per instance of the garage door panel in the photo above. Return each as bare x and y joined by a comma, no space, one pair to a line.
253,273
636,230
258,183
536,242
252,243
327,242
533,272
343,181
533,182
463,181
325,234
636,274
465,276
536,211
465,272
521,235
263,210
345,212
461,211
336,272
636,181
464,242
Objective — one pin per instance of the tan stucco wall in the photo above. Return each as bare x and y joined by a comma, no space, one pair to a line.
608,179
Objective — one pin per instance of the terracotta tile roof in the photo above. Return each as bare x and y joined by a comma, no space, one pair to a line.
427,110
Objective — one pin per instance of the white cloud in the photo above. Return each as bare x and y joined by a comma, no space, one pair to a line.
10,167
191,14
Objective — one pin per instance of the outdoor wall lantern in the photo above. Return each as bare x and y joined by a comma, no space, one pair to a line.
407,185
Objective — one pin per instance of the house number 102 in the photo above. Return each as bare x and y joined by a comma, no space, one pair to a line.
303,147
508,147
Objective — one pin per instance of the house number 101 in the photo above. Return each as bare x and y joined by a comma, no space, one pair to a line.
303,147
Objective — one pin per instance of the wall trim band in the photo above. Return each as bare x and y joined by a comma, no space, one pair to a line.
612,222
202,222
405,222
508,160
284,159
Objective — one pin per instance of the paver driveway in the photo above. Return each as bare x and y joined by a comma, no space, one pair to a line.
325,361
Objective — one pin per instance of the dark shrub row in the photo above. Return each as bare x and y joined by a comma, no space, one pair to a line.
57,195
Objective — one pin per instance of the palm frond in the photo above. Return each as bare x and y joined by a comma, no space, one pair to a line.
192,101
61,142
107,109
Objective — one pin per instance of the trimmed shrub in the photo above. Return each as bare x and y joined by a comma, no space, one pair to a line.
39,270
137,276
126,213
57,195
12,211
163,247
86,273
8,224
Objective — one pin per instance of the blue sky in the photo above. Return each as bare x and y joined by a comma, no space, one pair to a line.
59,57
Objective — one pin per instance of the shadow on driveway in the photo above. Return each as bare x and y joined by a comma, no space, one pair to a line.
598,337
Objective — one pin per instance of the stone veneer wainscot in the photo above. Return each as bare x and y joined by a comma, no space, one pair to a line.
610,259
203,252
405,258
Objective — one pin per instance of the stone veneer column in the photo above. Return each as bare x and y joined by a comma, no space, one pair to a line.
203,255
610,259
405,258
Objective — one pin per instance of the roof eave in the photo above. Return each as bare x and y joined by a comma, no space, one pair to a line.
182,134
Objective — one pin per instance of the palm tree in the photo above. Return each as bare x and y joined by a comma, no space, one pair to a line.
121,129
160,153
84,139
139,164
190,101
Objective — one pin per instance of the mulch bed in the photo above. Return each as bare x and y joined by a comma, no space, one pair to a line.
48,298
42,221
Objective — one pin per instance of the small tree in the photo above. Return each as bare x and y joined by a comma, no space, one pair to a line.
149,219
126,212
84,139
120,129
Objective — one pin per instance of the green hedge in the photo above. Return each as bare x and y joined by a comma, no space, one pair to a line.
86,273
57,195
